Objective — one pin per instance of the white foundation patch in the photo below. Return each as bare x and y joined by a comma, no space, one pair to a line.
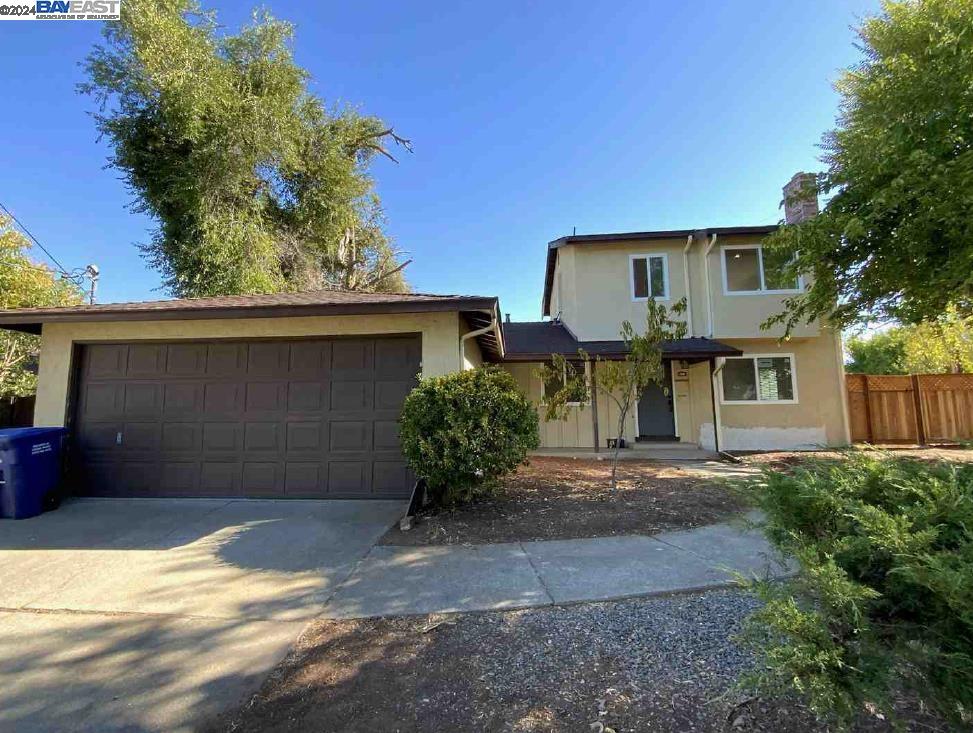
761,438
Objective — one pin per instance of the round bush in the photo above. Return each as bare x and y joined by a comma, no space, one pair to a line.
462,431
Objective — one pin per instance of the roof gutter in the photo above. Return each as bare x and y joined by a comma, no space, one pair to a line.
709,295
689,295
480,332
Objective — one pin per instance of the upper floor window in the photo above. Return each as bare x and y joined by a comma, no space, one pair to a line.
759,378
649,275
747,269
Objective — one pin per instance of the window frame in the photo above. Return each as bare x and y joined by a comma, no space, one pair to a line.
648,273
564,379
760,265
756,375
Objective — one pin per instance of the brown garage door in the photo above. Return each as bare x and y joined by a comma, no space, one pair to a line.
301,419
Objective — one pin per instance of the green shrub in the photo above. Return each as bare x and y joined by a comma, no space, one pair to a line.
884,596
465,430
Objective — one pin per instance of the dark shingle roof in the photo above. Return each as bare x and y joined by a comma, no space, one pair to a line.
316,302
537,340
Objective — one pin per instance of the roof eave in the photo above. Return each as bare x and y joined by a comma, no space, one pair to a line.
32,322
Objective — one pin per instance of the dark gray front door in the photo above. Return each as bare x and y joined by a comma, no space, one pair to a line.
656,421
283,419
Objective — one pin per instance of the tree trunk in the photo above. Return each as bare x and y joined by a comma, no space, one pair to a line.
618,446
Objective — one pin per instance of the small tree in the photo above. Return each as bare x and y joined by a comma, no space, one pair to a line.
24,284
622,380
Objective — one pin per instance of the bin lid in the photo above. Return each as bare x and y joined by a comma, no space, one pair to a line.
9,436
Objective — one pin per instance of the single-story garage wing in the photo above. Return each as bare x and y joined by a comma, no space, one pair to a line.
286,395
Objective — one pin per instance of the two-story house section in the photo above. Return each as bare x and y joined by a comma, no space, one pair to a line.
731,384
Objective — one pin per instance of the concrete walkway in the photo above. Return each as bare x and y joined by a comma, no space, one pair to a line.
401,581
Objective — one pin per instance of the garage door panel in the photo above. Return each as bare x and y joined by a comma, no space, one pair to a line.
262,436
303,479
186,360
267,359
105,360
145,360
100,401
347,478
225,359
389,477
223,398
350,435
396,358
352,396
391,395
260,478
301,418
141,438
182,398
387,435
220,479
309,359
179,478
265,396
305,436
143,399
222,436
182,436
305,397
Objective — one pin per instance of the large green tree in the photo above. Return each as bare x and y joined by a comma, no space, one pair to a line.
895,240
24,284
932,347
256,184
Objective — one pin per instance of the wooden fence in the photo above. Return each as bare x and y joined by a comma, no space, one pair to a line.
17,412
915,408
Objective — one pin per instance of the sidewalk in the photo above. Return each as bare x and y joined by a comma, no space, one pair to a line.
402,581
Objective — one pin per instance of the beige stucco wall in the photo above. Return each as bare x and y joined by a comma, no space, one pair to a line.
577,430
440,343
819,417
592,290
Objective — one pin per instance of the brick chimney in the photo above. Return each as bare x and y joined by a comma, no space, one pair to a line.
800,198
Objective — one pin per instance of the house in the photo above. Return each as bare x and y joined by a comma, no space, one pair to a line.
298,394
732,384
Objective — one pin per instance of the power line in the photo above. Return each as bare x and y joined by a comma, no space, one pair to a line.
62,268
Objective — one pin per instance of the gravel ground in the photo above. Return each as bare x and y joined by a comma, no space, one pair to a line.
652,664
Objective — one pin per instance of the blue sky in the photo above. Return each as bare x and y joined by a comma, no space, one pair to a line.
528,120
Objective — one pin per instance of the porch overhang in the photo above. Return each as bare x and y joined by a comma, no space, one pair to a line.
538,340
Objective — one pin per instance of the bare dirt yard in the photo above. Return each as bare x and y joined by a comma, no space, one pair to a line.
565,498
651,664
783,459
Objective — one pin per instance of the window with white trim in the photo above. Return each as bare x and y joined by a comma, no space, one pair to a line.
748,269
759,378
649,275
572,370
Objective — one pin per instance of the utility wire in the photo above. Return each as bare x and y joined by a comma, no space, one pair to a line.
26,231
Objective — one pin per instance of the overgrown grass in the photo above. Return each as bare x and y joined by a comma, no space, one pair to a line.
884,596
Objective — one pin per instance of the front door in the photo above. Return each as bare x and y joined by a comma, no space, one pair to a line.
656,421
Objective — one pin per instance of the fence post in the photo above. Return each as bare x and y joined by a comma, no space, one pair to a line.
870,437
920,420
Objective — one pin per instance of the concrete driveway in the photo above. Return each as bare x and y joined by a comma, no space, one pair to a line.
150,615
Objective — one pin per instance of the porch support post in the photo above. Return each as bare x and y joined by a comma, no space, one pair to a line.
716,407
593,393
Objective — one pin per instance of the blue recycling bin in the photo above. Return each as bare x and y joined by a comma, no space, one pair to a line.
30,469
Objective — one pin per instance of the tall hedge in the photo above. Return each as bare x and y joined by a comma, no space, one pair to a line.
464,430
884,596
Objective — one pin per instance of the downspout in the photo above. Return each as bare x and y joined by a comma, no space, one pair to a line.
689,295
478,332
709,294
